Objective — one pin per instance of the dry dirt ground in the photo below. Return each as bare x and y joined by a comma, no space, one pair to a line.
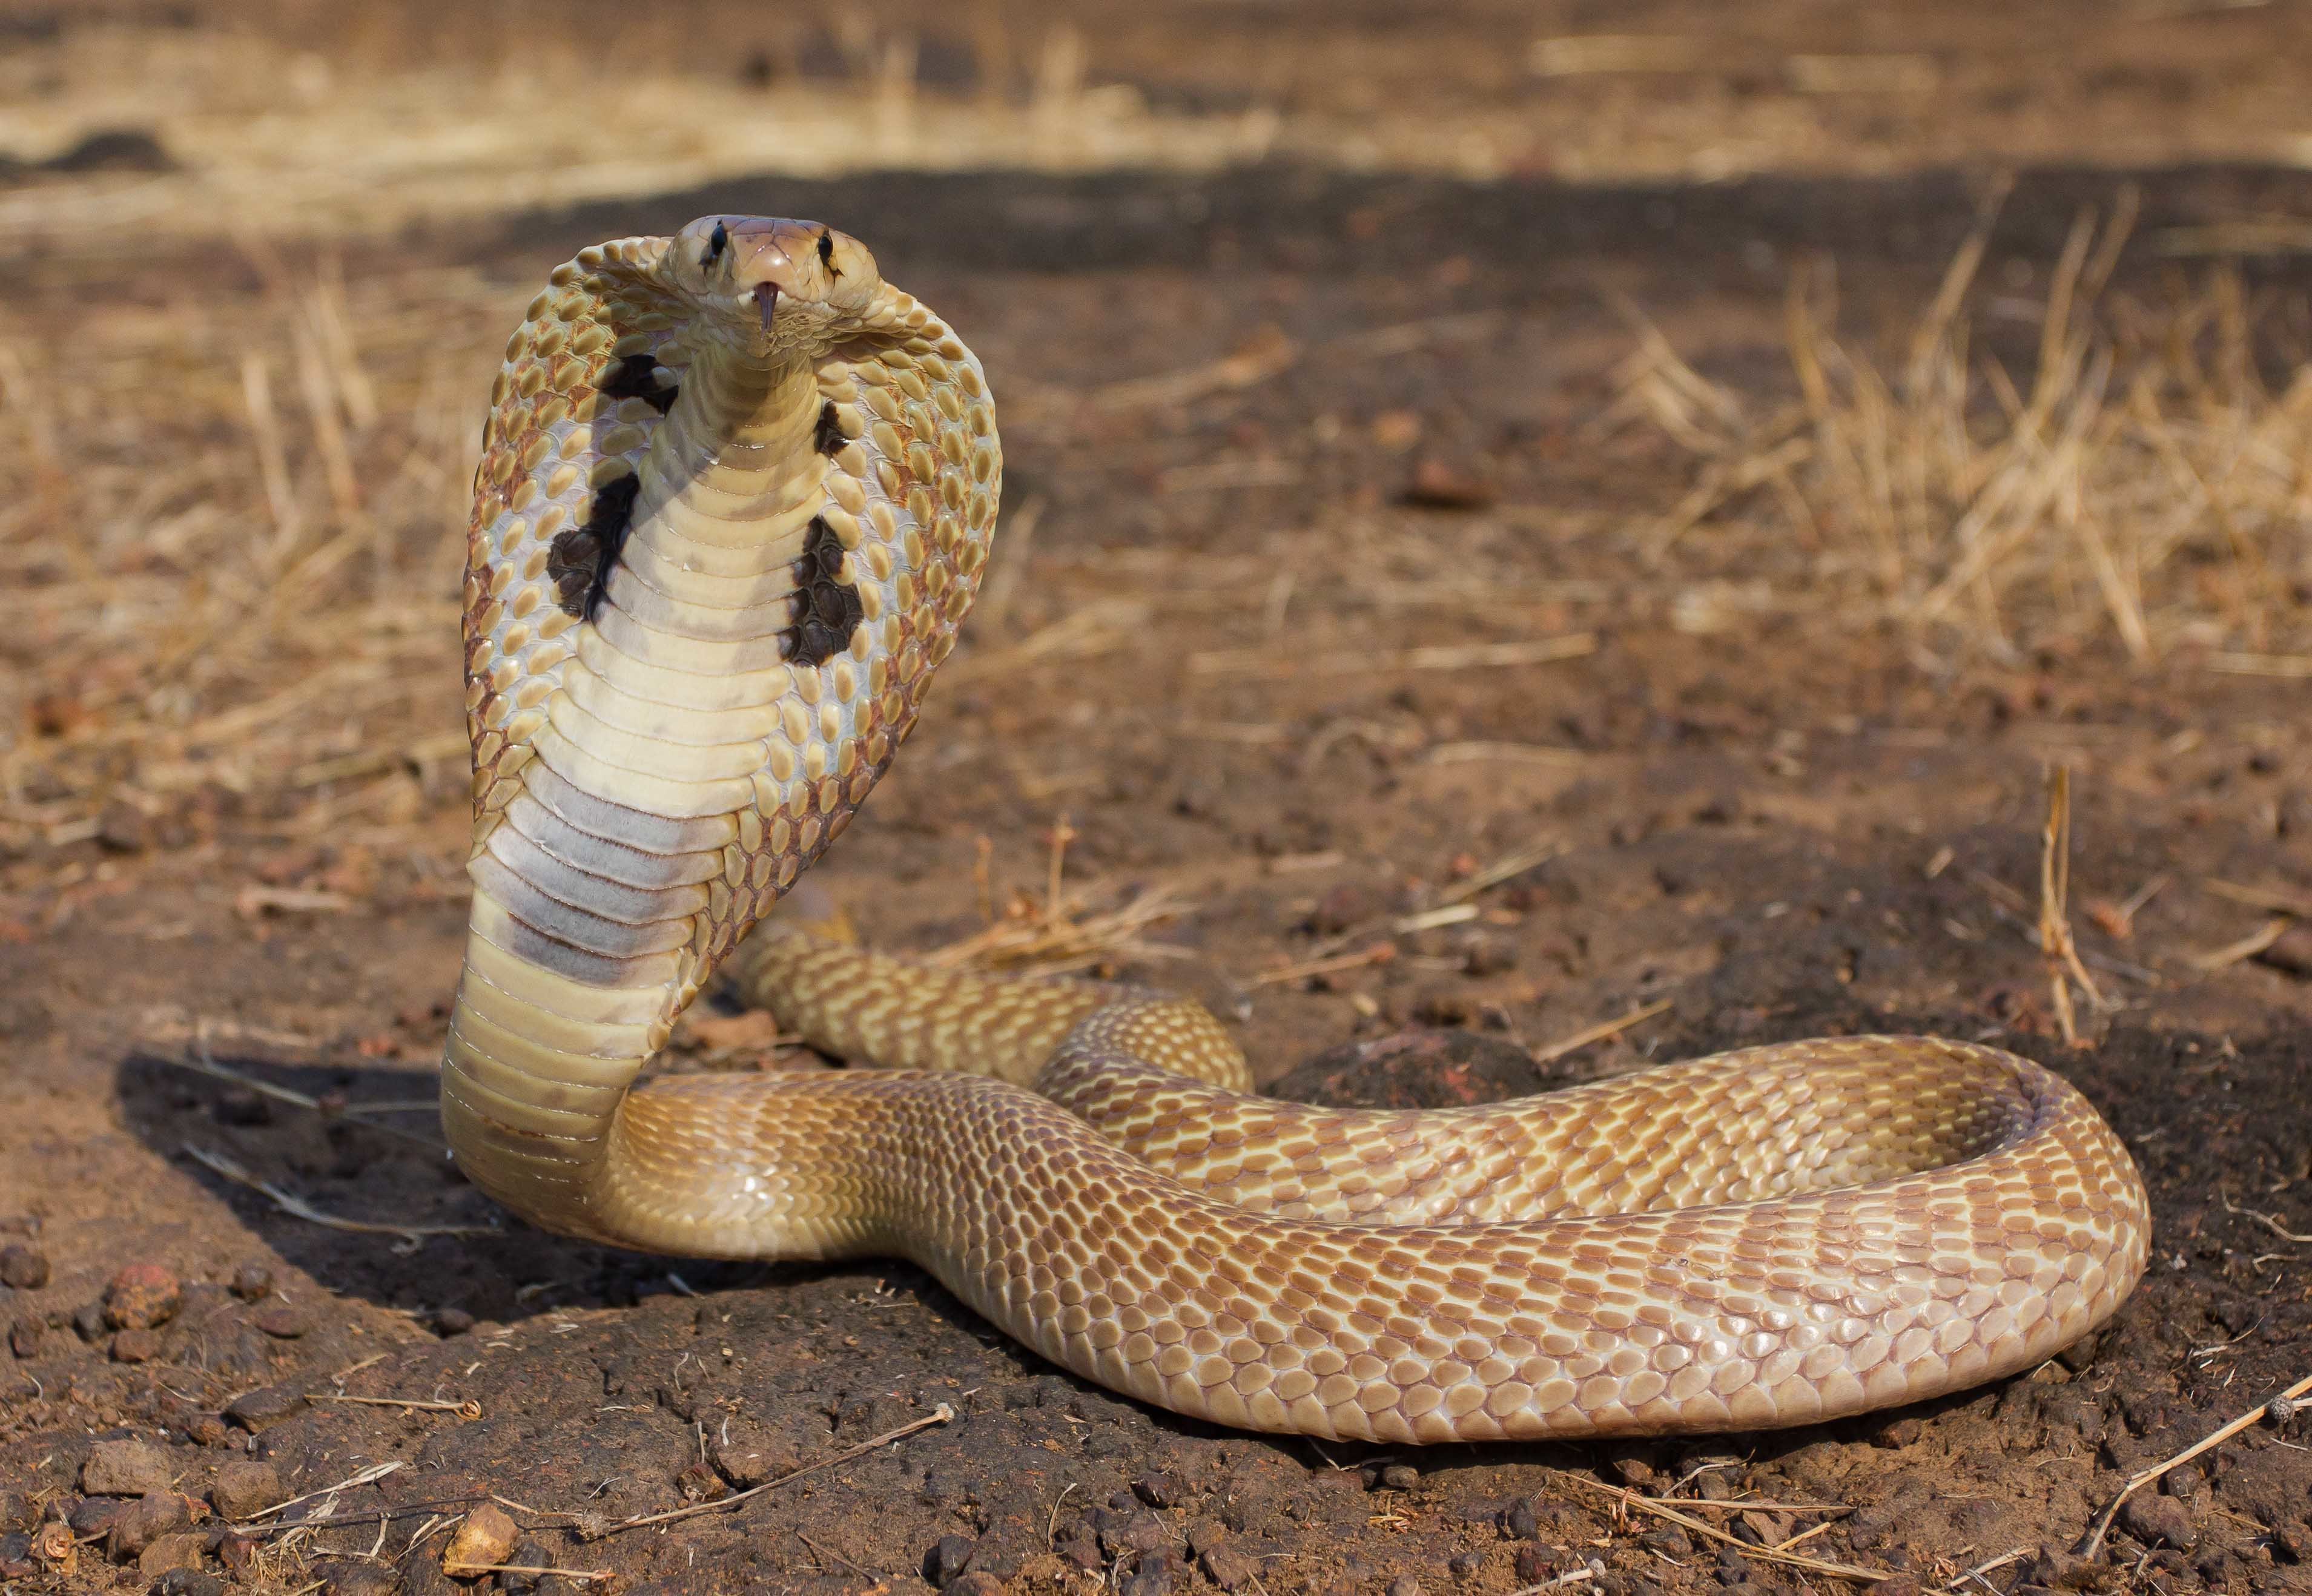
1474,600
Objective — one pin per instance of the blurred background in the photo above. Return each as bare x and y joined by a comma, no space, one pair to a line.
1575,532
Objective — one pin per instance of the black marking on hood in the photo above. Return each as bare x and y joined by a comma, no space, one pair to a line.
579,560
827,607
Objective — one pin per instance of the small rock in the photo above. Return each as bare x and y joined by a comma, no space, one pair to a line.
1896,1432
1228,1568
977,1583
238,1552
1123,1533
188,1582
1158,1489
1437,483
205,1429
527,1553
252,1282
1733,1568
89,1320
126,1468
2292,1543
1669,1540
121,827
481,1541
24,1333
1341,908
452,1322
261,1411
142,1296
1405,1584
176,1553
244,1487
1534,1563
92,1516
24,1268
2056,1568
143,1521
1520,1521
1465,1565
2183,1484
281,1321
1155,1572
2159,1521
1399,1477
948,1559
135,1347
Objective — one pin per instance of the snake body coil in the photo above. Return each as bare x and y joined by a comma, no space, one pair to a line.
735,500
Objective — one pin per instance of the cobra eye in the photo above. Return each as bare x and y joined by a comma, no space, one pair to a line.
717,243
827,252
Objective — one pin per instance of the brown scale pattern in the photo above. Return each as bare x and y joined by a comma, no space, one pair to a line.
1768,1237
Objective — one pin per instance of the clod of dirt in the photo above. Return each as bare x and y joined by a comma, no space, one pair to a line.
481,1541
252,1282
142,1296
2159,1521
24,1335
746,1454
126,1468
261,1410
1421,1069
188,1582
135,1347
171,1554
1440,483
245,1488
24,1268
948,1558
527,1553
143,1521
281,1321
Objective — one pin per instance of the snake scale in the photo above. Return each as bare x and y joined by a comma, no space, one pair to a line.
736,496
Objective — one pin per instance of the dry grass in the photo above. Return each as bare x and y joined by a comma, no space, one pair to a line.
2143,479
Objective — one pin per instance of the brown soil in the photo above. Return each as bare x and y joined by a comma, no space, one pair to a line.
1779,826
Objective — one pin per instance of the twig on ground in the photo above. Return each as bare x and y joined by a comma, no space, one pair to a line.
937,1416
467,1570
2247,948
368,1476
1685,1519
1599,1032
2278,1408
467,1409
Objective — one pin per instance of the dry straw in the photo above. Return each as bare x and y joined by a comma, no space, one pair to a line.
2142,480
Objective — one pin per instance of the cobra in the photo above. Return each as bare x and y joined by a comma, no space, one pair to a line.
736,496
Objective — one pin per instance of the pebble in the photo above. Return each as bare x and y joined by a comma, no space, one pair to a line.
262,1409
527,1553
453,1321
172,1554
1228,1568
1400,1476
1160,1489
143,1521
1465,1565
1534,1563
1520,1521
244,1487
749,1455
24,1268
252,1282
135,1347
142,1296
121,827
1733,1568
1405,1584
979,1582
205,1429
24,1336
2158,1520
950,1556
1897,1432
238,1552
484,1538
281,1321
129,1468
